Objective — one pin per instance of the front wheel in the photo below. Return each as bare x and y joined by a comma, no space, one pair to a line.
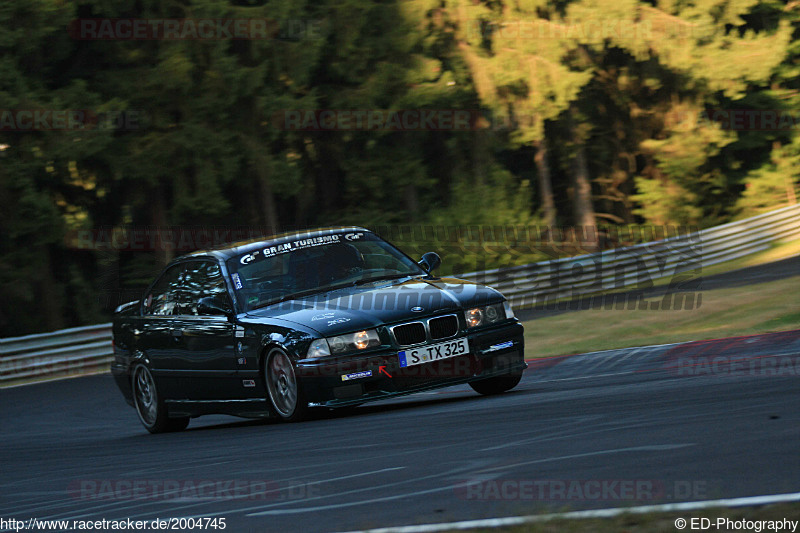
284,390
149,405
497,384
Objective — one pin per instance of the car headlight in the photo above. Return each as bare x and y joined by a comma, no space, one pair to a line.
484,316
318,348
350,342
508,310
360,340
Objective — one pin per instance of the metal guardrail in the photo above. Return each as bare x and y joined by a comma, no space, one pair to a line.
59,354
85,350
639,265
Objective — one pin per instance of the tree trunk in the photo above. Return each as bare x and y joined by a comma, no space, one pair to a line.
480,156
545,183
158,217
49,292
412,202
582,208
788,181
328,182
269,216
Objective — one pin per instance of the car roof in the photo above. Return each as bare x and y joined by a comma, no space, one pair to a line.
228,250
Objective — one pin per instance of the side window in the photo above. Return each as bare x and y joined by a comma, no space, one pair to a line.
162,300
203,279
376,257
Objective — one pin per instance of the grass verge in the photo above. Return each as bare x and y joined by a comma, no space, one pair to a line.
759,308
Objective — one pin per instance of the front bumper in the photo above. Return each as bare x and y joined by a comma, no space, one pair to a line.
493,351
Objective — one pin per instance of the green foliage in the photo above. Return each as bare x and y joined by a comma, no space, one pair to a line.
501,200
486,213
664,202
772,185
630,84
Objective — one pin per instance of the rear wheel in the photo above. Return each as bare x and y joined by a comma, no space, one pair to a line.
497,384
284,390
149,405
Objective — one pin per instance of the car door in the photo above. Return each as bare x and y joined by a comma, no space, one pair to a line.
207,338
160,311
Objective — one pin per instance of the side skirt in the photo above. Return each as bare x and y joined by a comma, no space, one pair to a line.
250,408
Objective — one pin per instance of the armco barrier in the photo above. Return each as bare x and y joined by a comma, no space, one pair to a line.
635,266
88,349
64,353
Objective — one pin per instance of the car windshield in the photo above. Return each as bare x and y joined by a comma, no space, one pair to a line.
315,264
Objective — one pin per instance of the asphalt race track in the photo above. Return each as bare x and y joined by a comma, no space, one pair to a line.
647,425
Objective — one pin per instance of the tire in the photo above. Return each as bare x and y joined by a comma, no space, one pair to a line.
284,390
496,385
149,405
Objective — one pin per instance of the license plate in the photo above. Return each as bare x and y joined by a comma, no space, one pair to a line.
433,352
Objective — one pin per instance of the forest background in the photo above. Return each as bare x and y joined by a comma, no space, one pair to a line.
587,114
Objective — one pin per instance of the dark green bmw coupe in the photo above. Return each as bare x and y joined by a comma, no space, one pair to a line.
327,318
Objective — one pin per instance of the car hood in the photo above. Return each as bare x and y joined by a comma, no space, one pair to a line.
380,302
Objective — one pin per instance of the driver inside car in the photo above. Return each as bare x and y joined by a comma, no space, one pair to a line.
342,261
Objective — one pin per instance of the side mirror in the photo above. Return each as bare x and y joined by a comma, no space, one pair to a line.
211,306
430,262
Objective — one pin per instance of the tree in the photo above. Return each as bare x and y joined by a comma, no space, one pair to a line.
516,53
